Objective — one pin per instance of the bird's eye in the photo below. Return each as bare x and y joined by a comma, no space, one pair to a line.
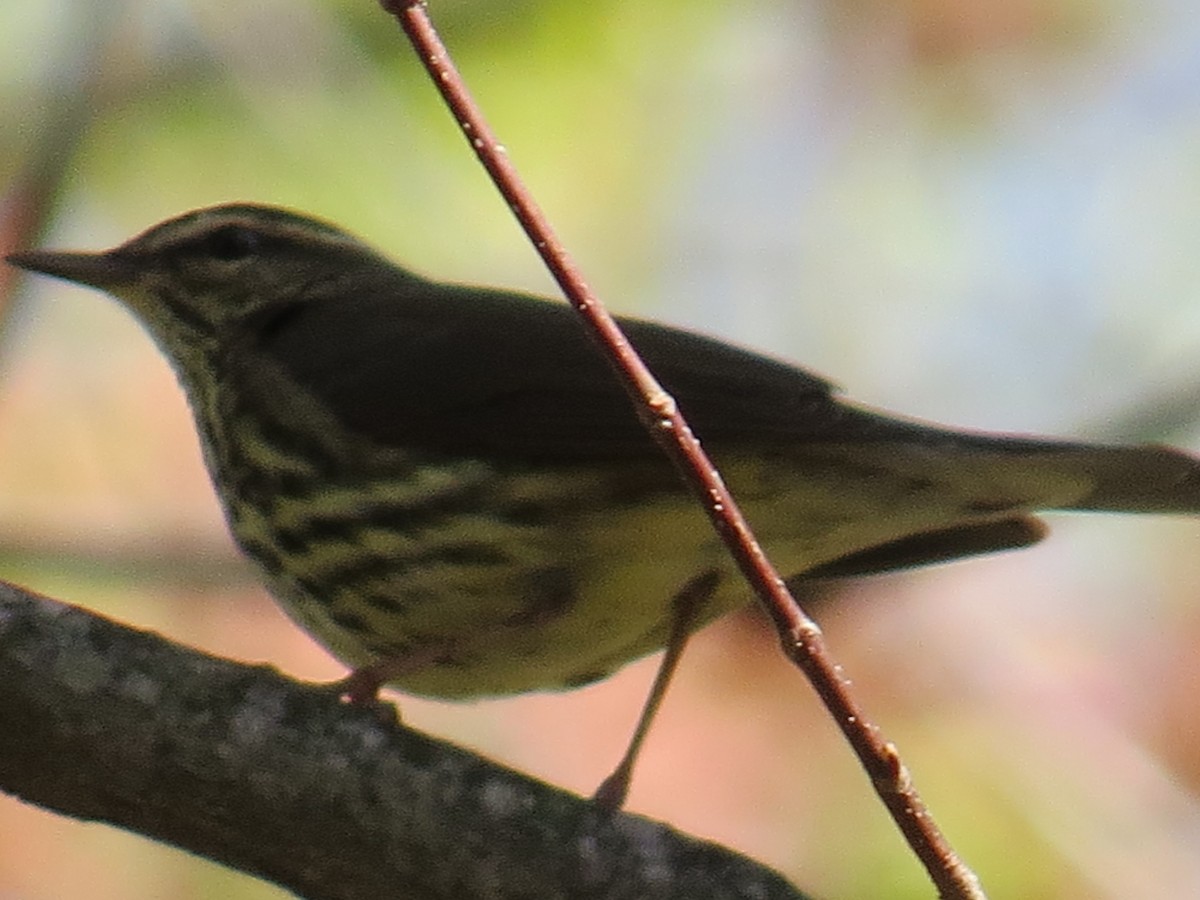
231,243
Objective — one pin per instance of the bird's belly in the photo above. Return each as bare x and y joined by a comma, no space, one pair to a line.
507,583
507,605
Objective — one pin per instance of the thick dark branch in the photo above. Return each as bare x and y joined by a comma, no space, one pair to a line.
281,780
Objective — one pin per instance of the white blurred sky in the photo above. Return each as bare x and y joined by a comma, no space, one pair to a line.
1006,240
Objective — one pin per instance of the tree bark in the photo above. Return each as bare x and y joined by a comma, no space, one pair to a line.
282,780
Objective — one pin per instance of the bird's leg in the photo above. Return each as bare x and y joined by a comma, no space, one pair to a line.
362,686
686,605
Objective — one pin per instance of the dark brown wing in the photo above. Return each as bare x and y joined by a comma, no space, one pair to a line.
475,372
470,371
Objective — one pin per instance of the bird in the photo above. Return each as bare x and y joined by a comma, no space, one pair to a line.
447,486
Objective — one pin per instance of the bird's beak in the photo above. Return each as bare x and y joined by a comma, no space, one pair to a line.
100,270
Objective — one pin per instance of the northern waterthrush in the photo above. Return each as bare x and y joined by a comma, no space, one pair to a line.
452,475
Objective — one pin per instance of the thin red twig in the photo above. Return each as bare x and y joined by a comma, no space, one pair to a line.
802,639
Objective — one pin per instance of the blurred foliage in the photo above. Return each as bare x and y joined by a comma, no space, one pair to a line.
982,212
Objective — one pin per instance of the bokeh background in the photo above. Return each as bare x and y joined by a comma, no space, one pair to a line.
983,212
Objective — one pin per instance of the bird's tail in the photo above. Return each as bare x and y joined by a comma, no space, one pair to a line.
999,482
1137,479
994,473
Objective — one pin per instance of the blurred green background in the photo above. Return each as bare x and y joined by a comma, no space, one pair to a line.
983,212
